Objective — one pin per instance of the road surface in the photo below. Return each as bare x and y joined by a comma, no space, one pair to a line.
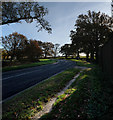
19,80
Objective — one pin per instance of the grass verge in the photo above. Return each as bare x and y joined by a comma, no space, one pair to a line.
83,63
42,62
25,105
89,98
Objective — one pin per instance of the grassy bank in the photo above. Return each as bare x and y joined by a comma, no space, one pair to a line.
16,67
83,63
89,98
25,105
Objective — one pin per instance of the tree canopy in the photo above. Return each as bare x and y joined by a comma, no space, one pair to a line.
47,48
66,50
18,47
14,44
32,50
92,31
55,49
16,11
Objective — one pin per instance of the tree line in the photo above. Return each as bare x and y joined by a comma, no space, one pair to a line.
92,30
17,46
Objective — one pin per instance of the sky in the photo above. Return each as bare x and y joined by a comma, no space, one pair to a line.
62,17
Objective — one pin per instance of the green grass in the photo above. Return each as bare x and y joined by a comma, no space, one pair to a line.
88,98
44,60
83,63
16,67
26,104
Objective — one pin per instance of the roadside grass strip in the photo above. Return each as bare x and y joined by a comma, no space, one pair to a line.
88,98
26,104
48,107
83,63
17,67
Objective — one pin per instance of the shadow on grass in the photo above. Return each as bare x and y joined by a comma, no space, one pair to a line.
25,105
86,99
83,63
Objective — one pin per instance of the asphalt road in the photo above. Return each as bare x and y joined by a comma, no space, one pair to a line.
19,80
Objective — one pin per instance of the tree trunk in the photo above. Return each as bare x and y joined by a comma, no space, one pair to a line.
96,56
66,56
92,56
97,47
12,56
78,56
45,55
55,54
87,56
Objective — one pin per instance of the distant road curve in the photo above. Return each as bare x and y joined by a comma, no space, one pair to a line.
19,80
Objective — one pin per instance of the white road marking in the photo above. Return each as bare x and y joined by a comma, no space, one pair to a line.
1,101
22,74
19,75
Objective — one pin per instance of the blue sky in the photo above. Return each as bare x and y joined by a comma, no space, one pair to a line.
61,16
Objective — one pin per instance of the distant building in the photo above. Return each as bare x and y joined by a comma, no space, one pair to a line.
112,8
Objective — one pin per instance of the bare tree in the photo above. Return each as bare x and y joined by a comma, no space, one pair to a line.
56,46
48,49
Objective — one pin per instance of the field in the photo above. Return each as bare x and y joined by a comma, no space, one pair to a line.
22,66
